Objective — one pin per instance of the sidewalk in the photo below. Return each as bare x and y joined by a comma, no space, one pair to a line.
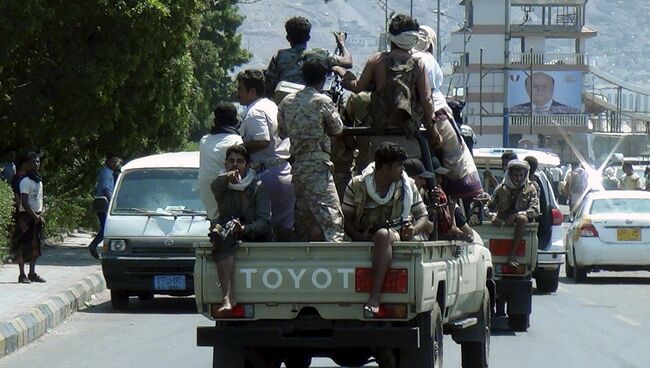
28,311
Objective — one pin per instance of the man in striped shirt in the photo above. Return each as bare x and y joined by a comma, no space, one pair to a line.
383,205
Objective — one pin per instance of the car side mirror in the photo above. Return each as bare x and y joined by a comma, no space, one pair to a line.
100,204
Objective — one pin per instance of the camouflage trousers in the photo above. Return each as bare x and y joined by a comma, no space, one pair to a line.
317,202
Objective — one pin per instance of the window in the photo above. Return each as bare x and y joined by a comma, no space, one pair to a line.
158,191
621,205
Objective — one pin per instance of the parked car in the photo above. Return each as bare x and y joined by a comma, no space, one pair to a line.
609,231
550,254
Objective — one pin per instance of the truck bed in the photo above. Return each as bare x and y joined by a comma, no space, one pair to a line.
278,280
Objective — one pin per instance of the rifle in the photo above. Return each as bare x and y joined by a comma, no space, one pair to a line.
389,224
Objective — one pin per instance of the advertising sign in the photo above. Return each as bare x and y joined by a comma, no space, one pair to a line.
544,93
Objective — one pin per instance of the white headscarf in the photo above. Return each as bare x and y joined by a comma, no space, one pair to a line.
405,40
368,177
243,182
516,164
427,38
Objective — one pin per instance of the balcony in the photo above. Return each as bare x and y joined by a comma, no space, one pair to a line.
549,59
577,122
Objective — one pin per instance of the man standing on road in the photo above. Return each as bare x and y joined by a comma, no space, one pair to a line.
104,188
308,118
30,221
382,194
576,184
268,152
212,153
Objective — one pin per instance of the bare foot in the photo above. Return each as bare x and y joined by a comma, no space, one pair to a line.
227,306
371,306
512,261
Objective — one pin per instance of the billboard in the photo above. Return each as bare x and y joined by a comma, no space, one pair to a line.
544,93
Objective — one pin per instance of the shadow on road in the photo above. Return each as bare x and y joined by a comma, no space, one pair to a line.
65,256
593,279
160,305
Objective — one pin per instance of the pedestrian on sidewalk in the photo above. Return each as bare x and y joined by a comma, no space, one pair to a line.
104,188
30,221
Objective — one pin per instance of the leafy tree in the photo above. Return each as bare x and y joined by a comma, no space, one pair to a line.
215,53
81,78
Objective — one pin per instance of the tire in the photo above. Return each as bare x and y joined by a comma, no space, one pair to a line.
568,270
119,299
476,354
579,273
429,355
229,357
146,296
548,283
297,360
519,322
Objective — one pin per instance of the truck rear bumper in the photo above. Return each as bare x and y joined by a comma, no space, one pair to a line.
357,337
137,274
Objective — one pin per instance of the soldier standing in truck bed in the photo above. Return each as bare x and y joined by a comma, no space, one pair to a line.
307,118
286,64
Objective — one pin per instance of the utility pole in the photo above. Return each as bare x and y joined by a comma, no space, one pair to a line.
506,80
438,37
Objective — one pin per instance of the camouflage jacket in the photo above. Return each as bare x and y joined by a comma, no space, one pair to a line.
507,201
308,118
286,64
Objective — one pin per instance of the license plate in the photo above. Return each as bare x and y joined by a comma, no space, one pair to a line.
628,234
175,282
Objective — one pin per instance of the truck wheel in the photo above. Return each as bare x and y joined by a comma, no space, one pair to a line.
476,354
119,299
297,360
548,283
429,354
229,357
519,322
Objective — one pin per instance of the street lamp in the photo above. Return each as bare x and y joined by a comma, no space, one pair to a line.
461,23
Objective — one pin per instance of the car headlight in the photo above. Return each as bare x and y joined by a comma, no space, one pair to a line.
117,245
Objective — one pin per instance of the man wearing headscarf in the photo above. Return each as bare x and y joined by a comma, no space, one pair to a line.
516,203
610,181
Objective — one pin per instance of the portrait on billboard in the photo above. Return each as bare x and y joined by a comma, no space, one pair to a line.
544,93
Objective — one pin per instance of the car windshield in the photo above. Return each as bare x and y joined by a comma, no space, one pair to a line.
620,205
158,192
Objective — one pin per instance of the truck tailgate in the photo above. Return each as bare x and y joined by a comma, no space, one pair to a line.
499,240
281,278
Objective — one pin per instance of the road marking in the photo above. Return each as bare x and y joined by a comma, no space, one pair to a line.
586,301
626,320
563,289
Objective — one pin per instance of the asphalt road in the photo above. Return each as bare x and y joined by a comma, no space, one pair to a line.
602,323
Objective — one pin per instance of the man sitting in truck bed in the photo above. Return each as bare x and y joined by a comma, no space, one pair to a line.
516,202
244,214
376,207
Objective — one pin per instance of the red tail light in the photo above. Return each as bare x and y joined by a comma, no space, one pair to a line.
588,231
396,280
501,247
557,216
390,311
239,311
508,269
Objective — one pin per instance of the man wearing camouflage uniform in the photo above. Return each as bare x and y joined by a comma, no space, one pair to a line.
307,118
285,65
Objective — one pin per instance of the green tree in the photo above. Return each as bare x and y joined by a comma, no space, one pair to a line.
81,78
215,53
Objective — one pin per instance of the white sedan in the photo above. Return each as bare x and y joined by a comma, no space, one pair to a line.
610,231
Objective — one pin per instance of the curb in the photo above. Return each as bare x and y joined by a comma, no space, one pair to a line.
31,325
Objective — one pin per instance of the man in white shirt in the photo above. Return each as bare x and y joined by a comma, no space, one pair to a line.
30,221
212,153
269,153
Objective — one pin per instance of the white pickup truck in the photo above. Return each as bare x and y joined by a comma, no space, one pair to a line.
301,300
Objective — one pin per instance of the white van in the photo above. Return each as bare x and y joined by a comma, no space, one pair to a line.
152,221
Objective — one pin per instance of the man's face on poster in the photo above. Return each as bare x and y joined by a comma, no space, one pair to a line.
540,89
